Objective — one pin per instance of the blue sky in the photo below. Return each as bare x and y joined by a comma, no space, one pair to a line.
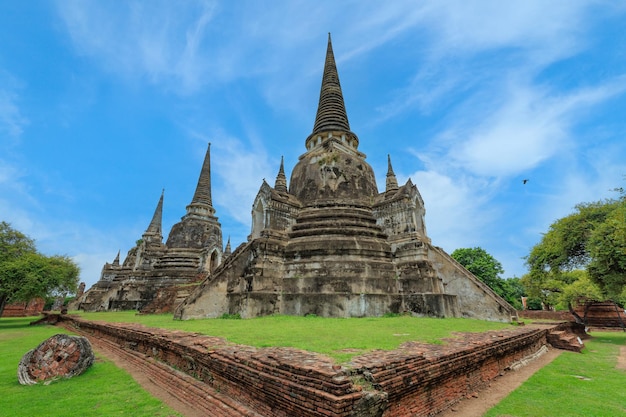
105,103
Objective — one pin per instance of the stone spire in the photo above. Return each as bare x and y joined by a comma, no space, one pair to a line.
154,228
203,189
331,111
116,261
392,182
201,204
281,180
227,251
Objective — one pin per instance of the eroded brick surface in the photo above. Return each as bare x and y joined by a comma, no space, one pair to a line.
414,380
60,356
32,308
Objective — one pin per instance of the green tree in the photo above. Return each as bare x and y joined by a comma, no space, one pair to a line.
13,243
488,269
593,239
25,273
581,287
607,250
545,287
513,291
480,263
562,289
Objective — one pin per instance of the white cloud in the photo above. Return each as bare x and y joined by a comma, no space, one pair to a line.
463,26
161,42
11,120
91,265
460,47
88,247
529,128
457,209
237,171
477,63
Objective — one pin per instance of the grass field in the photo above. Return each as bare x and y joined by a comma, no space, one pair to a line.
583,384
586,384
103,390
330,336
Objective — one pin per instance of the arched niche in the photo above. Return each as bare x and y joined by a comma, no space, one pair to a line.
258,219
214,261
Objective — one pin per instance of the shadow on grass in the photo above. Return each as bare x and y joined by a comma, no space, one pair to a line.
17,322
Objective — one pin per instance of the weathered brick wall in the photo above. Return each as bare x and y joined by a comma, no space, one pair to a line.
32,308
602,314
416,379
546,315
423,379
274,381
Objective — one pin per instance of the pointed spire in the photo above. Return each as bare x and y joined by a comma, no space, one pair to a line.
154,229
331,111
116,261
203,189
281,180
392,182
227,251
201,204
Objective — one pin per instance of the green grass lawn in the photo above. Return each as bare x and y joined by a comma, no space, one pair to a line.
586,384
329,336
583,384
103,390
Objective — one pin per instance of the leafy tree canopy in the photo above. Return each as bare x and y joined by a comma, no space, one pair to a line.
592,239
488,269
561,290
13,243
25,273
480,263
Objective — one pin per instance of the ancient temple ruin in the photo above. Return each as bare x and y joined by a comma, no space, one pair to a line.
330,244
192,250
326,243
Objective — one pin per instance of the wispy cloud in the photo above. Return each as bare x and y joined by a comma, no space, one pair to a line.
237,171
161,42
474,74
12,122
528,127
456,208
470,27
12,119
475,46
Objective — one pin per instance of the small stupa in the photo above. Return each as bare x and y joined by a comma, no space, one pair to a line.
193,249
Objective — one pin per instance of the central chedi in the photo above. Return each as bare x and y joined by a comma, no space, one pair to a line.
332,245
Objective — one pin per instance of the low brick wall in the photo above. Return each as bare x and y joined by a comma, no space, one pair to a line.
416,379
424,379
32,308
546,315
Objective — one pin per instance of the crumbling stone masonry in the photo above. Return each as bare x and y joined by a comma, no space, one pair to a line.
416,379
330,244
32,308
326,243
60,356
192,250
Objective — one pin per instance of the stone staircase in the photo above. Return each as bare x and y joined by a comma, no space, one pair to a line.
565,340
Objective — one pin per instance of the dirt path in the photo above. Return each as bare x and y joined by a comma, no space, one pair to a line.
621,359
186,395
478,405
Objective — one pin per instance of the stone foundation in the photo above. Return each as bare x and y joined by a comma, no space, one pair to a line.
416,379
